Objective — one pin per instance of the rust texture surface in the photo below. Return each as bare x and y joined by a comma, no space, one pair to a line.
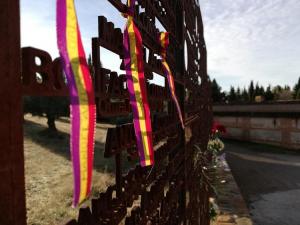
175,190
12,200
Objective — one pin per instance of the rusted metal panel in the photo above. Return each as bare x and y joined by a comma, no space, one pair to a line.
175,190
12,187
41,75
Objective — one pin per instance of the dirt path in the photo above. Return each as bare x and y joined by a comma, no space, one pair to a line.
269,179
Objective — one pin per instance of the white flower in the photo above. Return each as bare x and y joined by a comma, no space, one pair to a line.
215,145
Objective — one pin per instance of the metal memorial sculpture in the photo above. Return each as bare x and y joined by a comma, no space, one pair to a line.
175,190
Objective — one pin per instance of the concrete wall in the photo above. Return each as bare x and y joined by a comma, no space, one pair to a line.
276,125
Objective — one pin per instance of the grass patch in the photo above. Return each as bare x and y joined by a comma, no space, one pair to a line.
48,171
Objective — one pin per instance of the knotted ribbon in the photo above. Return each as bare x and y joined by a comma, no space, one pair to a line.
136,84
82,100
164,42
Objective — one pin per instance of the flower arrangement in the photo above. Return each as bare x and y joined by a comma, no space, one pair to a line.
215,145
217,129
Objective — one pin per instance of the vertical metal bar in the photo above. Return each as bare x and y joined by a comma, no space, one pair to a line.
118,175
12,185
181,97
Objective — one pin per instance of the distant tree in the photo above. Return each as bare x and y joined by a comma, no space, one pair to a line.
256,90
216,91
251,91
91,67
232,95
248,95
277,88
296,90
245,95
261,91
238,94
282,93
269,96
285,94
298,94
276,91
287,88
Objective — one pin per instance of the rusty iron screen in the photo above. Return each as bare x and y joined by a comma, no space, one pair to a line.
175,190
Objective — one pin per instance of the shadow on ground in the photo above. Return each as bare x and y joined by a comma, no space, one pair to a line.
59,143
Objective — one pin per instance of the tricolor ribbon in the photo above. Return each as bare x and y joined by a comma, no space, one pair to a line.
164,42
136,84
83,109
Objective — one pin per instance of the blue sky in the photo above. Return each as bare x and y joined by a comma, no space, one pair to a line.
246,39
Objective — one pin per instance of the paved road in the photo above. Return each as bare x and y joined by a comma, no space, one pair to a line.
269,181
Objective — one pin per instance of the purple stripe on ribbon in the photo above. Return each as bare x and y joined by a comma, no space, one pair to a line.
133,102
173,94
74,99
131,8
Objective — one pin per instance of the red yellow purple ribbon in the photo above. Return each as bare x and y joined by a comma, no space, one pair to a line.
83,109
133,59
164,42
